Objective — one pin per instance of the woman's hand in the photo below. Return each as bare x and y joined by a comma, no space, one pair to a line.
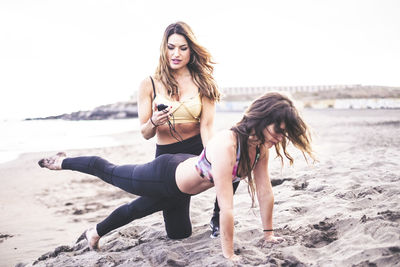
160,117
270,238
274,239
234,257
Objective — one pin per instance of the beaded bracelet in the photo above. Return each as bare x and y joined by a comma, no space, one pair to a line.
268,230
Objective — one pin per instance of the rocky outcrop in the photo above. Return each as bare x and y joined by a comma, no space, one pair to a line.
120,110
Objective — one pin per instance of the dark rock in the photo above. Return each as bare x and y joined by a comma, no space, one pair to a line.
120,110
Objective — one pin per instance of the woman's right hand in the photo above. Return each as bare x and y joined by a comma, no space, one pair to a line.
160,117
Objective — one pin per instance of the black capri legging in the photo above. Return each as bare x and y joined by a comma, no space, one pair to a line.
154,181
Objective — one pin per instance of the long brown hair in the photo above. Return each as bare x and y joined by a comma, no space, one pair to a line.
200,64
271,108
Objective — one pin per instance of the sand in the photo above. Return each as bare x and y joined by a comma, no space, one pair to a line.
341,211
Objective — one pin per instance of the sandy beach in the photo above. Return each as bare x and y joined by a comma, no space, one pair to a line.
341,211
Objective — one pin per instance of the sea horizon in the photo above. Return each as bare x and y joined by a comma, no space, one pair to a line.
26,136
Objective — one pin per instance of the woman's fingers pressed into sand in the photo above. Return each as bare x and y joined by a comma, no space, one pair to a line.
234,258
274,239
268,241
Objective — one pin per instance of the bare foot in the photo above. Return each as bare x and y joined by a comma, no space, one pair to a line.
54,162
91,237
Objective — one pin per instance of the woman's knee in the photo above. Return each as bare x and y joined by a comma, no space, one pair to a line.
177,219
178,227
98,162
179,233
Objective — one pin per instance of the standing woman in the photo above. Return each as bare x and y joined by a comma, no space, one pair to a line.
183,81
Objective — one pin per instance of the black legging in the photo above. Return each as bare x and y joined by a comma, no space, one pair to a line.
175,211
154,181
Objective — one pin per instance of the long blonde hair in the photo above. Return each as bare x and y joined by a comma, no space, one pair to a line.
200,64
271,108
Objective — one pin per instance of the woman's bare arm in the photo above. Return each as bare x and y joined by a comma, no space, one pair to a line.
207,120
265,196
221,153
149,118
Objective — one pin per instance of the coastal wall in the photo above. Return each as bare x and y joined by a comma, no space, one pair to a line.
349,103
356,103
246,90
354,96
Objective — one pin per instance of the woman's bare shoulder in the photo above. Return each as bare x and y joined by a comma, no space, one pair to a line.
223,140
224,134
146,84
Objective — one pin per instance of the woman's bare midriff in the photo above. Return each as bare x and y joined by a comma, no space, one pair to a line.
188,179
185,131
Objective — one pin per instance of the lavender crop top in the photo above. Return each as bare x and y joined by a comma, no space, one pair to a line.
203,166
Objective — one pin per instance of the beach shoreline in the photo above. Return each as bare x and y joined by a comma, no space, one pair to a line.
342,210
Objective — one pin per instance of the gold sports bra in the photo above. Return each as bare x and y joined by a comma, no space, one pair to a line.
185,111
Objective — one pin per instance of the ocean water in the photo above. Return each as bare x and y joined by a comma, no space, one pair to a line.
17,137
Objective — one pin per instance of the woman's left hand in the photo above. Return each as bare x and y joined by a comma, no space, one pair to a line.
234,258
274,239
270,239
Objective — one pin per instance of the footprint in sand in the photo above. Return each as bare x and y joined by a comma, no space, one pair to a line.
319,235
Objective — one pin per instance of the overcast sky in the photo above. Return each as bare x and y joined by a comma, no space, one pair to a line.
63,56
